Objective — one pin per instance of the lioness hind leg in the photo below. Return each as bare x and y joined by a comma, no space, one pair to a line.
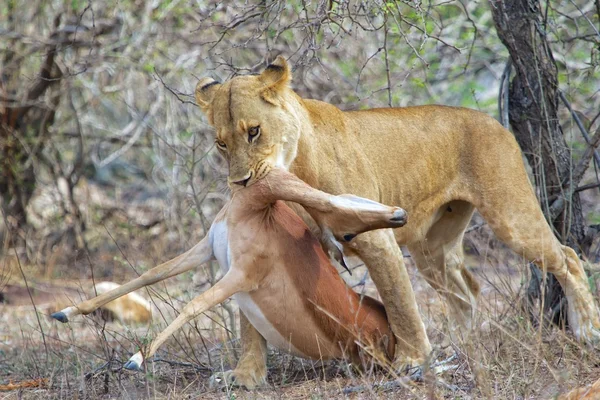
584,316
440,259
521,225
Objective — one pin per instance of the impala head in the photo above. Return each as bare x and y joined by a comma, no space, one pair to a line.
256,126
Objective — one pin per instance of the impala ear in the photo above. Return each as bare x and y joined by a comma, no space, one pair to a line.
205,92
334,249
276,76
385,341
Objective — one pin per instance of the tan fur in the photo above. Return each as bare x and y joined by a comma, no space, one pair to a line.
131,308
590,392
439,163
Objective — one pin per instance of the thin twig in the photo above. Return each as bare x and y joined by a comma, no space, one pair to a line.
387,65
175,93
37,315
570,185
102,367
584,131
587,187
503,106
183,364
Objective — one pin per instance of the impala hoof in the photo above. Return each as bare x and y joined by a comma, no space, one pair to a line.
399,217
132,366
60,316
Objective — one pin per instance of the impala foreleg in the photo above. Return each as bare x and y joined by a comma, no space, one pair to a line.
197,255
231,283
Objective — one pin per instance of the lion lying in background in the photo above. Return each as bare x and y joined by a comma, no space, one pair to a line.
53,296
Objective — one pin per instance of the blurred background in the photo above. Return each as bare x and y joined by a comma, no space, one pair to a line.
107,166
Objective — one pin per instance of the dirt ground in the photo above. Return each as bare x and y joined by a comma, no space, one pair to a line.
505,358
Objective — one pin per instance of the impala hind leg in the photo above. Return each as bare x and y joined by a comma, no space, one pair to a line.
525,230
197,255
230,284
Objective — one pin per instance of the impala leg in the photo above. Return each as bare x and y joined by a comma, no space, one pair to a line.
346,215
231,283
197,255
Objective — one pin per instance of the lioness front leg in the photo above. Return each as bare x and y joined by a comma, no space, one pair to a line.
251,369
383,258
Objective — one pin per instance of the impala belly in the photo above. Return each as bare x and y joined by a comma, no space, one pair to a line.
258,319
220,243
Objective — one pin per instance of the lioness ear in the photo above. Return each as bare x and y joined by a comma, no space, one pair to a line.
205,91
276,76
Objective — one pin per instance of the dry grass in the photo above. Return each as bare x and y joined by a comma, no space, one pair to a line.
506,357
121,98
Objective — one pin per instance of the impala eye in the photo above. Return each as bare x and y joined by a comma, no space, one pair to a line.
253,133
221,144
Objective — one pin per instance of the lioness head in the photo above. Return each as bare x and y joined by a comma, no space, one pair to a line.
255,122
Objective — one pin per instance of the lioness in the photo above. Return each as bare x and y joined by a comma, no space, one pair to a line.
439,163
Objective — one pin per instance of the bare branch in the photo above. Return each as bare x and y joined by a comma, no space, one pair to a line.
584,132
175,92
503,105
570,186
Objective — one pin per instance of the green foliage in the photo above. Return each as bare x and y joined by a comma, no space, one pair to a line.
594,218
77,5
148,67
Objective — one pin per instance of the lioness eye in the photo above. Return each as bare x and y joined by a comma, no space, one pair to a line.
221,144
253,133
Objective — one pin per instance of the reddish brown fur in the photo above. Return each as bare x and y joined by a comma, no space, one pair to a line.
342,317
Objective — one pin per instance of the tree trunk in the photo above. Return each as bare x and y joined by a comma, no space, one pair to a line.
534,101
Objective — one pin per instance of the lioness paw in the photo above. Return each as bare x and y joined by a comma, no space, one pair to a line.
584,320
248,380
